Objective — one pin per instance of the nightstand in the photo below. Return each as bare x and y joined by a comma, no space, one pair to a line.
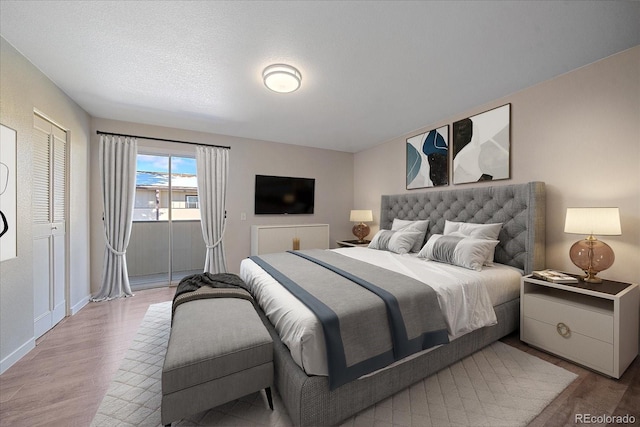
594,325
352,243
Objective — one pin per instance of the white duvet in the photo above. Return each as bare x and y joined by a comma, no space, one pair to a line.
466,298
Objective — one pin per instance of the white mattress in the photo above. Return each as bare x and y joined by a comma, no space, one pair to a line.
466,298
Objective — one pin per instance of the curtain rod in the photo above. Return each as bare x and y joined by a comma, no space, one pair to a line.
99,132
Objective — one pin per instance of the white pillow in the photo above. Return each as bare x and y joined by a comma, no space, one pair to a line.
467,252
478,231
399,242
405,225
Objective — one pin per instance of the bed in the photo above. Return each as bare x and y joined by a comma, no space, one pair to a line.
309,398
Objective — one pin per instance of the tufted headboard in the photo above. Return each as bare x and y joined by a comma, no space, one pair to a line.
520,207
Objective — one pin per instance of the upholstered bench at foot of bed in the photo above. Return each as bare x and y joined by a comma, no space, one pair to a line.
219,350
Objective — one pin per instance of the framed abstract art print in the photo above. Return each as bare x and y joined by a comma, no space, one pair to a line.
481,146
428,159
8,210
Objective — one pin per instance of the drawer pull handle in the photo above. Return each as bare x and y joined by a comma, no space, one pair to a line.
563,330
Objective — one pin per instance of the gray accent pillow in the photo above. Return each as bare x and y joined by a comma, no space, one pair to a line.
467,252
405,225
399,242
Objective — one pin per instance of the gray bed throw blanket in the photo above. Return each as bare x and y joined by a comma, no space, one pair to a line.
370,316
207,285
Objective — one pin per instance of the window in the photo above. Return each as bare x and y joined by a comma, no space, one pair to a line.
166,187
166,241
191,202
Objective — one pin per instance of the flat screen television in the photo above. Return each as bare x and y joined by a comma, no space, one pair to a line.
284,195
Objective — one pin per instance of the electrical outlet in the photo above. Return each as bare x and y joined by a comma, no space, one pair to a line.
243,216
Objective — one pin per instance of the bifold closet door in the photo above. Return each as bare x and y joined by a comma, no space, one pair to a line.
49,224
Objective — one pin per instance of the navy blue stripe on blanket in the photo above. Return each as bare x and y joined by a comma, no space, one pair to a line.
339,372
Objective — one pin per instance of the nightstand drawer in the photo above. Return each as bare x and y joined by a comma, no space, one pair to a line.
585,350
591,321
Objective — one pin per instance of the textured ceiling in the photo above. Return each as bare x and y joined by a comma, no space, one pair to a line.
371,71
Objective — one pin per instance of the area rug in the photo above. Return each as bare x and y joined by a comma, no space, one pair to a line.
497,386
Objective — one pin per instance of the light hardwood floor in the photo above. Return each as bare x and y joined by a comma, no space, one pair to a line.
63,380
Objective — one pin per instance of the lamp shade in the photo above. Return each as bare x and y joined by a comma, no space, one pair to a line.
281,78
361,216
600,221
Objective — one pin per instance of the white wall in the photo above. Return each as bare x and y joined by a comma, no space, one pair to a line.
579,133
24,88
332,170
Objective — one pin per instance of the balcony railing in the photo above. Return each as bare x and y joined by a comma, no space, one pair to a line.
162,214
148,254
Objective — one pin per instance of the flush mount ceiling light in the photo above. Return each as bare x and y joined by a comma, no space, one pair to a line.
281,78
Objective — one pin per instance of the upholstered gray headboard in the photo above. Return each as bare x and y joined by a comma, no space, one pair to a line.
520,207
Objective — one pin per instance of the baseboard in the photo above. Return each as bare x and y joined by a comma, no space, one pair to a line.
76,308
16,355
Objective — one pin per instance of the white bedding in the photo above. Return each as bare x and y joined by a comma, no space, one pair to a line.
466,298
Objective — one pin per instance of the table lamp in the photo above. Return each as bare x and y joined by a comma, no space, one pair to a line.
361,230
590,254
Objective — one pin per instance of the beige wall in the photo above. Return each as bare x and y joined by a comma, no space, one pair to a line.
579,133
23,88
332,170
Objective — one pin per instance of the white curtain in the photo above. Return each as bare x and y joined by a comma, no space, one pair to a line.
212,165
118,174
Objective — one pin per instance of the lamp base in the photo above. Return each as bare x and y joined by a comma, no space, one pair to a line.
591,256
361,231
591,278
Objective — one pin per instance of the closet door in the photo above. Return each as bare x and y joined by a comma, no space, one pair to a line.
49,224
